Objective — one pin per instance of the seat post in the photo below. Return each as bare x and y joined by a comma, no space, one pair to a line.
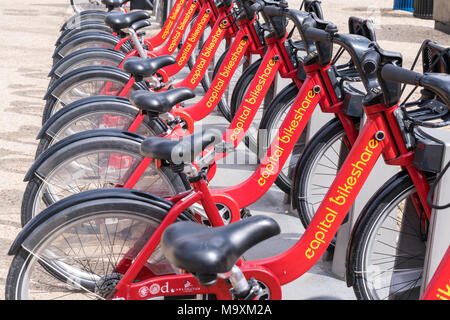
137,43
207,201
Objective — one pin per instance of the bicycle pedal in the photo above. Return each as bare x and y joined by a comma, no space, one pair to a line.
245,213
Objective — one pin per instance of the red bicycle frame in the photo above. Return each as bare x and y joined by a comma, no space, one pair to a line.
290,265
274,60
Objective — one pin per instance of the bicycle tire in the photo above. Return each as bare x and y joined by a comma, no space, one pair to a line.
84,26
303,198
99,220
67,89
88,15
372,230
63,121
89,40
44,188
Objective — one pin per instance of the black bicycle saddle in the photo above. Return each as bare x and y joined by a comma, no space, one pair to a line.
146,67
182,150
160,102
206,251
118,20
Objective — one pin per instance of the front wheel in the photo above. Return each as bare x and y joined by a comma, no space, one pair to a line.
388,245
317,168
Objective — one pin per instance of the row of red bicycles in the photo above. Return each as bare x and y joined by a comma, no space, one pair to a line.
118,203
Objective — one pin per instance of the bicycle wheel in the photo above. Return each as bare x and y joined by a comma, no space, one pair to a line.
317,168
388,245
75,253
89,40
93,163
95,115
83,58
226,100
85,82
83,26
271,121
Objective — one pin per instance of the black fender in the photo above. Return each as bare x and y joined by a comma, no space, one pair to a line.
47,127
83,25
82,52
90,71
98,133
90,36
386,189
93,14
91,195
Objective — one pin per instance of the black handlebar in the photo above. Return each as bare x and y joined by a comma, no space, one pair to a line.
397,74
315,34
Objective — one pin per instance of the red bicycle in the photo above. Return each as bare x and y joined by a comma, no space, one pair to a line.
133,267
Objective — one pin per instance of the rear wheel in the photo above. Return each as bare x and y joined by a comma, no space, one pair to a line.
97,115
79,85
84,26
94,163
86,57
317,168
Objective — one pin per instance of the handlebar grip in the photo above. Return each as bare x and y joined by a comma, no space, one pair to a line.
397,74
257,6
318,35
140,24
272,11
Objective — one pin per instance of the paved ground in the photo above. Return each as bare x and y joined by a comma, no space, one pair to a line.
29,29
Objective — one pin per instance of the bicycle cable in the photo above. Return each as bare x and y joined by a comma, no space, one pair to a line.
433,188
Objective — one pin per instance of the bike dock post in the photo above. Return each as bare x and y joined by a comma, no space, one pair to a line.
438,234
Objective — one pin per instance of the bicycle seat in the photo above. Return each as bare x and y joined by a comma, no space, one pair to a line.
182,150
205,251
118,20
146,67
160,102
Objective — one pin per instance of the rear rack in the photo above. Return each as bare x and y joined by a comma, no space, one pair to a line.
429,109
